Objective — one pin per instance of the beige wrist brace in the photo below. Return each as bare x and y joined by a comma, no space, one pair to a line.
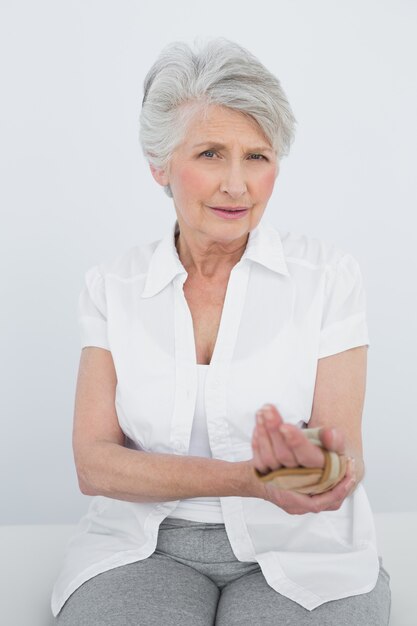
310,480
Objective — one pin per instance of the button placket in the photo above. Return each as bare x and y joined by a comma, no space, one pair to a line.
185,370
217,376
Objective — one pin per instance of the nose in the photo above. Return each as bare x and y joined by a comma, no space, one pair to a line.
234,180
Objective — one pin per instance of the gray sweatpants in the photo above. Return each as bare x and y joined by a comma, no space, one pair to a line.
194,579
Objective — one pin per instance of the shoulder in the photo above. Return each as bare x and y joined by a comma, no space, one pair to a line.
313,261
129,265
310,252
310,258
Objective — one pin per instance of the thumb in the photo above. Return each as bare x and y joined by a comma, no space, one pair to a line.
332,439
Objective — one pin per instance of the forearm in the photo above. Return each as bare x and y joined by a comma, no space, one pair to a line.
359,462
136,476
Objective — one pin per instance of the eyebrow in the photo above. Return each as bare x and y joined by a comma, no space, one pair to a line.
216,145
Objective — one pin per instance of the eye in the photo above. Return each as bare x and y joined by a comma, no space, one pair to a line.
207,152
262,157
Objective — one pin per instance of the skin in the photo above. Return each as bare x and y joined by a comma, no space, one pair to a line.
208,243
209,247
210,176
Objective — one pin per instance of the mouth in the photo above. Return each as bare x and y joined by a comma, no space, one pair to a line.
229,213
239,209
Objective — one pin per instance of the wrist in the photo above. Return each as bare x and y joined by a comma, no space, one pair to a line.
359,465
252,487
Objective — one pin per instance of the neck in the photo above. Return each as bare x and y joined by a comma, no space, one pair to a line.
208,260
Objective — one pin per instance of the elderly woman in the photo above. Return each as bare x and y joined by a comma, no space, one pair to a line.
221,385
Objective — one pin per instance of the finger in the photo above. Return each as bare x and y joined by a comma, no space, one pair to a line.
271,407
257,459
305,452
332,499
266,450
339,494
298,503
273,421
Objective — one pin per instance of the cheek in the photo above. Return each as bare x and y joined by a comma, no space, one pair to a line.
266,182
193,181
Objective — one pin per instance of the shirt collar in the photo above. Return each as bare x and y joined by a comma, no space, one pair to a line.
264,246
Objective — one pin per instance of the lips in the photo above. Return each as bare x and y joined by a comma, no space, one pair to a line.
229,213
226,208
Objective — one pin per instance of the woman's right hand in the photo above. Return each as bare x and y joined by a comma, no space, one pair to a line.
274,447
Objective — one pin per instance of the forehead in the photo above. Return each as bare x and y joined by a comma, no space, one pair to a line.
219,124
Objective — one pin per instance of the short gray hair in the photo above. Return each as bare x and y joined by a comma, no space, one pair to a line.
183,82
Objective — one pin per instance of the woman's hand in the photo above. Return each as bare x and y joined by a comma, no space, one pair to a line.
276,444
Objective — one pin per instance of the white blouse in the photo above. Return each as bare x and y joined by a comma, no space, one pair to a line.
290,301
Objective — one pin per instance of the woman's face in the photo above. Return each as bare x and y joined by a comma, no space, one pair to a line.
224,162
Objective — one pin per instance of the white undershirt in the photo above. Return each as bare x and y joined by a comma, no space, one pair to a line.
207,509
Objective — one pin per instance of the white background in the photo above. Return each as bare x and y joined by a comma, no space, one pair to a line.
76,191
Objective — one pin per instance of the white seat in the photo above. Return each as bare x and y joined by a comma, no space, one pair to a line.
31,558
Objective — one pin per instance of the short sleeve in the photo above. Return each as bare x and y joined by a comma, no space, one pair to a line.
344,322
92,311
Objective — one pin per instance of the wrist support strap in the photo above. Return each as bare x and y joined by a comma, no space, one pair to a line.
310,480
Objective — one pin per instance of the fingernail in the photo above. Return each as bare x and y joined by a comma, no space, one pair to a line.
259,417
285,431
267,413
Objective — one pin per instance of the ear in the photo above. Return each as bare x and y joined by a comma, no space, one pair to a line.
159,175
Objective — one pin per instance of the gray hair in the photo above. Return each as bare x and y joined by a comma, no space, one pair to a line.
183,82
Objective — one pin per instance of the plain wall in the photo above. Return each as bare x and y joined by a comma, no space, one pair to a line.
77,191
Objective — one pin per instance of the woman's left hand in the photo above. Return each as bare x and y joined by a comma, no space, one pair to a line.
276,444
